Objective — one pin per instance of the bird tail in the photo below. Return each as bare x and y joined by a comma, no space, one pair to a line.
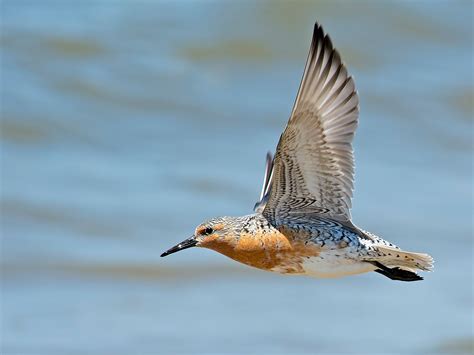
401,265
405,259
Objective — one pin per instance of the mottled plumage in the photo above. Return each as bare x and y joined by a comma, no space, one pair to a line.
302,222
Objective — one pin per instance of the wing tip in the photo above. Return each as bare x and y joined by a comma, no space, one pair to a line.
319,35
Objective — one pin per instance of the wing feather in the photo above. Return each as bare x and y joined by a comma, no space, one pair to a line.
267,184
313,168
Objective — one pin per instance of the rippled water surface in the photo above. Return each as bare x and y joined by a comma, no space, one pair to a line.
125,124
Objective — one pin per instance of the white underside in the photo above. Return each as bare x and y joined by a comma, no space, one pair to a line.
335,267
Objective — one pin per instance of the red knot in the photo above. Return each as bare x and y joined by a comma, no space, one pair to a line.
302,222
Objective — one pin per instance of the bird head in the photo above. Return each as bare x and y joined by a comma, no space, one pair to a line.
216,233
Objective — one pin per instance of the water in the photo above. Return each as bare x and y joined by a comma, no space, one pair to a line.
125,124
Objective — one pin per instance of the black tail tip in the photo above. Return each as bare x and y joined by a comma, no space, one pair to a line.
396,273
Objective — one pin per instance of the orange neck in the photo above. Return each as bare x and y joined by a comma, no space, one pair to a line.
265,250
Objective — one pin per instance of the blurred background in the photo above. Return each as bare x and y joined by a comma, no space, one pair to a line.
124,124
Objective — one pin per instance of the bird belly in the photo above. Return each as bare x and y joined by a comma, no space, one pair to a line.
334,263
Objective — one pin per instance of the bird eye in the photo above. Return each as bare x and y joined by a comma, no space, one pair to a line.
208,231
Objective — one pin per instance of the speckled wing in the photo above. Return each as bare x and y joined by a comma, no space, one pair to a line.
313,170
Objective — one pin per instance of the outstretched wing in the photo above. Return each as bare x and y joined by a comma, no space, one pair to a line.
313,168
267,184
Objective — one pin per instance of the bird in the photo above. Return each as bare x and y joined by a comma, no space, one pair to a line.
302,223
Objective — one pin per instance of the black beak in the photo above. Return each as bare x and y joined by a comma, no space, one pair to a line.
188,243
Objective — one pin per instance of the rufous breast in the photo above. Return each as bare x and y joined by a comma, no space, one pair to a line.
277,250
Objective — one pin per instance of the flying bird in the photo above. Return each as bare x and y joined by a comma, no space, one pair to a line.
302,223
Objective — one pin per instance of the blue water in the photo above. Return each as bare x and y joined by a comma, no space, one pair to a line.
125,124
